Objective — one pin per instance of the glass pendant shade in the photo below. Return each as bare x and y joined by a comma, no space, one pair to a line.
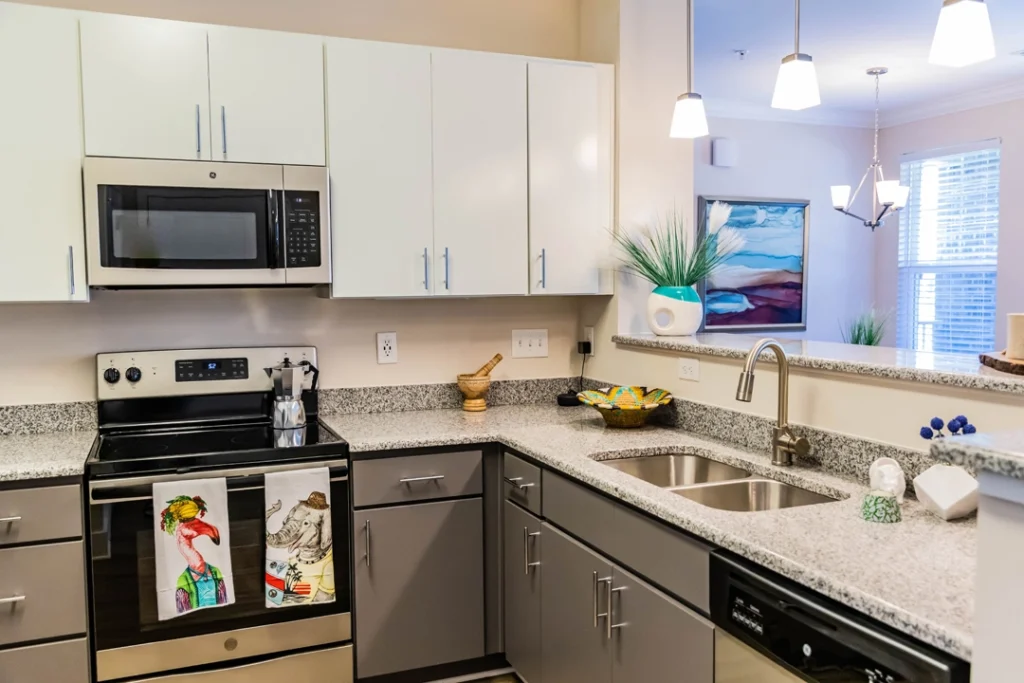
797,84
963,35
689,120
840,196
888,191
902,196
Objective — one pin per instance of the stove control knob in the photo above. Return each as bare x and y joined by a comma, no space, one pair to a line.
133,375
112,375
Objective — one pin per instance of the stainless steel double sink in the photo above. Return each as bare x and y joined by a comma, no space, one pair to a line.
714,483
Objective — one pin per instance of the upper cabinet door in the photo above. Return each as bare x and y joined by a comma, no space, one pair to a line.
480,167
145,88
568,231
267,96
42,254
378,97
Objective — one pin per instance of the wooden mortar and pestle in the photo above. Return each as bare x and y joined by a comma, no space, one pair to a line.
474,386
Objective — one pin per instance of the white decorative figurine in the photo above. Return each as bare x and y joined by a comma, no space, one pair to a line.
947,491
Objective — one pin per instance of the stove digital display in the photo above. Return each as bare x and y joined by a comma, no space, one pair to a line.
210,369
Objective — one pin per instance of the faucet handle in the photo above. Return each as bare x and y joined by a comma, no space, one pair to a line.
801,446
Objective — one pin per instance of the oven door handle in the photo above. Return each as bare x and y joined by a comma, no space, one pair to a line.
107,492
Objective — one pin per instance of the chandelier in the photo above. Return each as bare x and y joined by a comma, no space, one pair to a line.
888,196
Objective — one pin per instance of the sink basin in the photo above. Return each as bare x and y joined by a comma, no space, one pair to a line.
752,495
668,471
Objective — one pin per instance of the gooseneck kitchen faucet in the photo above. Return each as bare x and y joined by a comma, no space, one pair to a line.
785,444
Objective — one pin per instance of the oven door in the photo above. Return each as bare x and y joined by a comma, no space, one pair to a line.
158,223
131,642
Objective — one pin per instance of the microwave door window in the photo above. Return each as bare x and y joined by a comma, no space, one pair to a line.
147,227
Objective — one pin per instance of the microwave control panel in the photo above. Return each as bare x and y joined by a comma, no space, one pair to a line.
302,229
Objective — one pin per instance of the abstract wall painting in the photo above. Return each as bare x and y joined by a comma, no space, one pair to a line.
763,286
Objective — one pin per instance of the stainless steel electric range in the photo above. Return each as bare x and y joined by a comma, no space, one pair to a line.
193,414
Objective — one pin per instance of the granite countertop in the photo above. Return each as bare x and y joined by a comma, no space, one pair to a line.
999,452
44,456
916,576
874,361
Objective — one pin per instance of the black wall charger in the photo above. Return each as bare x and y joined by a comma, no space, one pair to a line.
569,399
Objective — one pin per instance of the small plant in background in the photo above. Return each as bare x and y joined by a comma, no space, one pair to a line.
958,425
866,329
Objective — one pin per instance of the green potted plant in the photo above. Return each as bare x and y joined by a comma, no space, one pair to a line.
867,329
670,257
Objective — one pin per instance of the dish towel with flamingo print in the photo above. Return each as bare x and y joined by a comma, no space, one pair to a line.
193,546
300,545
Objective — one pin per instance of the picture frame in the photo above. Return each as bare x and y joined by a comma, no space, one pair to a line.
762,287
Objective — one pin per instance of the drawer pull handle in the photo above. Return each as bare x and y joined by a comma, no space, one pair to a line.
13,600
595,599
527,565
432,477
366,540
514,481
609,626
10,520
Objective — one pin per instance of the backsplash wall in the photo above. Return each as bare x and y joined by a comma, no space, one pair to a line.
47,351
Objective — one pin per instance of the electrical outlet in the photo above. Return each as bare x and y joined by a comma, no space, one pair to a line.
529,343
387,348
689,369
588,336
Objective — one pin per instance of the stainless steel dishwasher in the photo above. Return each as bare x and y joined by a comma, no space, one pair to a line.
770,630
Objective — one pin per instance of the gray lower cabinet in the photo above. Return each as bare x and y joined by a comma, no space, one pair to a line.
419,585
575,647
522,579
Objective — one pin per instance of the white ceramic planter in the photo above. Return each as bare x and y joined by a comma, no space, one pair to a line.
674,311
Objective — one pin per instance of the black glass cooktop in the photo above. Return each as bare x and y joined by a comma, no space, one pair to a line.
129,452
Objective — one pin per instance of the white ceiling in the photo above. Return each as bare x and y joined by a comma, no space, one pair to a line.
845,38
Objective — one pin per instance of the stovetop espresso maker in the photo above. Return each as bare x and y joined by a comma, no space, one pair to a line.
288,411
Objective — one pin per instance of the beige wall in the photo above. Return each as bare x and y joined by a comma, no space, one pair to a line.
995,121
543,28
48,349
798,161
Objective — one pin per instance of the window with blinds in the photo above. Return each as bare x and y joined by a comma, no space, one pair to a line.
947,252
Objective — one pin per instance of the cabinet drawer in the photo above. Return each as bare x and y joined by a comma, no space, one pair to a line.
583,513
51,578
66,662
521,483
667,557
42,514
416,477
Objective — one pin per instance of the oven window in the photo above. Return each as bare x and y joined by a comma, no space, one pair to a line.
168,227
124,572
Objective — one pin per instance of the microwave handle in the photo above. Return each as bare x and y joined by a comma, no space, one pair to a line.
275,241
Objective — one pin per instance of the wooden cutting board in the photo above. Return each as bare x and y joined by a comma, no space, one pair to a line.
1000,362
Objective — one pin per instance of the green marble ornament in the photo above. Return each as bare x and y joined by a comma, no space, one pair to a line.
881,507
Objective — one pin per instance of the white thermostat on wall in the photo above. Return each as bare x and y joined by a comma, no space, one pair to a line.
724,152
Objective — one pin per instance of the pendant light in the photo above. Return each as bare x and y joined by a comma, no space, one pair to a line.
963,35
888,196
689,119
797,85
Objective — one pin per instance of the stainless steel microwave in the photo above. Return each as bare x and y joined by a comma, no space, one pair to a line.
152,223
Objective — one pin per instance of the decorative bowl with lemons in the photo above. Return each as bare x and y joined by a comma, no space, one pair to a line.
625,406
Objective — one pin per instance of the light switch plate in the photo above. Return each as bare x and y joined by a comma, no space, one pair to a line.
387,348
529,343
689,369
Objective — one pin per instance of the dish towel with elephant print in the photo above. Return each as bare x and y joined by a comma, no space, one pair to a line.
193,546
300,550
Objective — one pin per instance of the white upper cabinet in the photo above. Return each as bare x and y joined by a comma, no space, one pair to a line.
145,88
267,96
381,176
480,167
568,229
42,254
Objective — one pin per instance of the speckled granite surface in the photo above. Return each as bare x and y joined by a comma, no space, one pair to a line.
888,363
44,456
48,417
917,576
387,399
999,452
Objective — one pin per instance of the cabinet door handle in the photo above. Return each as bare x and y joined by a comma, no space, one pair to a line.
426,278
514,481
10,520
526,550
224,130
13,600
71,274
366,541
199,136
609,626
543,268
595,596
432,477
446,286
